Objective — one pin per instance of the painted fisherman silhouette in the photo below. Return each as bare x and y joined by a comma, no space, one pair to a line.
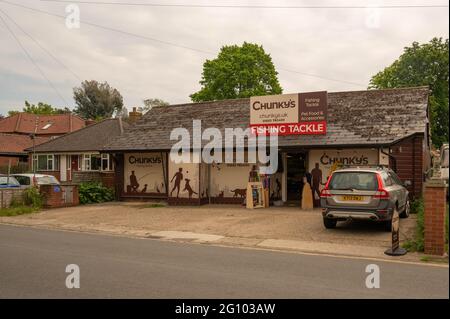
316,180
178,176
133,182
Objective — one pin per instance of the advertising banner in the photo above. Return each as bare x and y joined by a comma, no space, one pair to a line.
289,114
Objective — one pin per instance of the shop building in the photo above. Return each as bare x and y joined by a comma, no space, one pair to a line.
374,127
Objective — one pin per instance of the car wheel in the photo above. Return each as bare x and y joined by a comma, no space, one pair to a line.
329,223
406,211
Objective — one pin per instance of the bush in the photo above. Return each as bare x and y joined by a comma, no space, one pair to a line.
94,193
32,198
417,205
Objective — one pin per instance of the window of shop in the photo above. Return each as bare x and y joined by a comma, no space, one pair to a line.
45,162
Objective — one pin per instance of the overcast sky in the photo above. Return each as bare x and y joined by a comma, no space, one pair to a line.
348,45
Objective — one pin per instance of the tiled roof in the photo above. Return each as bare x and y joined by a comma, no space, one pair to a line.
354,118
17,143
89,138
25,123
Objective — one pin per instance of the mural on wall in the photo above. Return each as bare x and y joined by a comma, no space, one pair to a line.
229,179
144,173
184,180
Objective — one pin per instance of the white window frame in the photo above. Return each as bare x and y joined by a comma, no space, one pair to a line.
87,162
68,162
51,158
109,163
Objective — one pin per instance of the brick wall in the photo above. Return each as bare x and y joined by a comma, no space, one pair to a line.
435,201
4,160
8,194
409,163
106,178
52,197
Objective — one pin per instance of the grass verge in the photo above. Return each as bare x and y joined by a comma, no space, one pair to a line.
17,210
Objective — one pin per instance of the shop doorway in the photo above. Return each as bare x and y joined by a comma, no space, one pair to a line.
296,170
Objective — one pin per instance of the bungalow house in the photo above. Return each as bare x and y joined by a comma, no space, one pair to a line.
374,127
75,157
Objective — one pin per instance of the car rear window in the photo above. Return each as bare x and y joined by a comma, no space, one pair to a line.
354,180
47,180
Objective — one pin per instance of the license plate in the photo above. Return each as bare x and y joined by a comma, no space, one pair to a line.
353,198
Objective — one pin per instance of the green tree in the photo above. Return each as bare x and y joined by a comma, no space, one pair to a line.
96,100
150,103
40,109
237,72
423,64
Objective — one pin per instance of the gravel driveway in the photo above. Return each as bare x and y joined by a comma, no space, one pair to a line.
234,222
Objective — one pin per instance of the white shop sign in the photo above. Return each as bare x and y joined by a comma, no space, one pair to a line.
354,157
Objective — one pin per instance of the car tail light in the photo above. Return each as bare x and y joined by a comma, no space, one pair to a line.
381,192
326,192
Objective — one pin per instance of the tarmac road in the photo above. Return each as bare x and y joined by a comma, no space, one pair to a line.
33,263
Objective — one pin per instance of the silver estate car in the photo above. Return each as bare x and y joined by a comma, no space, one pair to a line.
364,193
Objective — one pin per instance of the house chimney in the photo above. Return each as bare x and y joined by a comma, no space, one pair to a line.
134,115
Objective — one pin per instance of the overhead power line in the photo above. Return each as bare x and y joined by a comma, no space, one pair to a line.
32,60
173,44
250,6
322,77
41,46
113,29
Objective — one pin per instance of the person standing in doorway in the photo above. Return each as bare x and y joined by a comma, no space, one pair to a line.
316,180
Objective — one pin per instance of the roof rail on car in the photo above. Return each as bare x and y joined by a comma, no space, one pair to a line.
379,167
